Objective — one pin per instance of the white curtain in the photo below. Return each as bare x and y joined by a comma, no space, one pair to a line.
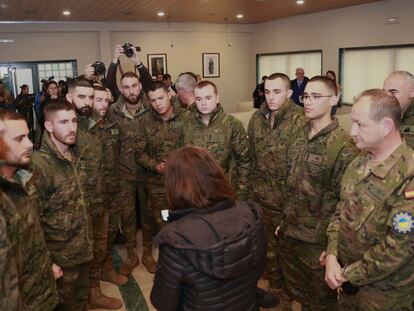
366,69
287,63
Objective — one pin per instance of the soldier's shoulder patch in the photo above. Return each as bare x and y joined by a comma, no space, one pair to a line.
403,222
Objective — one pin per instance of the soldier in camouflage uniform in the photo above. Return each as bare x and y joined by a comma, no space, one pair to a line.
160,131
269,129
108,134
401,85
9,288
19,206
81,94
126,112
317,156
185,85
371,238
221,134
62,176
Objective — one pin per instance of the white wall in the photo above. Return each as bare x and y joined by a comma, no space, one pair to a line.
349,27
355,26
87,42
42,46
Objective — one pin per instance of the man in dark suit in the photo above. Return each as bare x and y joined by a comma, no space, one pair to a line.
298,85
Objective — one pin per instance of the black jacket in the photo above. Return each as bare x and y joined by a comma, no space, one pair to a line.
298,91
211,259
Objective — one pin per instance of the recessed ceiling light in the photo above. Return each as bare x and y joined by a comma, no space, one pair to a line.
239,16
6,40
393,20
66,13
300,2
161,14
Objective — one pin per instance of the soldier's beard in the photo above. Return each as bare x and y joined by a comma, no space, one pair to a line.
132,99
85,111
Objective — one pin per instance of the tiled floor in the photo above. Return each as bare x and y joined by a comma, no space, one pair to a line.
141,275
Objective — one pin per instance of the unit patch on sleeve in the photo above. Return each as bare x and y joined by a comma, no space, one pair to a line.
403,222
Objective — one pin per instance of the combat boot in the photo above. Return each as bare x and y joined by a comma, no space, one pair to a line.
110,275
130,263
148,261
97,300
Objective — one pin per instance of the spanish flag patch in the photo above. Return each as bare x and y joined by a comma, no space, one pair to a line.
409,194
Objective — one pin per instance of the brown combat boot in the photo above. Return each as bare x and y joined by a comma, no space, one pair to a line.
97,300
130,263
110,275
148,261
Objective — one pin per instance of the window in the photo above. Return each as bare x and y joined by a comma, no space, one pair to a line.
60,70
31,73
367,68
310,61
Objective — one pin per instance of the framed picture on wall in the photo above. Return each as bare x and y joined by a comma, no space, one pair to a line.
157,63
211,65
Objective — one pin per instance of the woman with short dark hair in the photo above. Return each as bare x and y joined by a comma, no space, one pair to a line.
213,251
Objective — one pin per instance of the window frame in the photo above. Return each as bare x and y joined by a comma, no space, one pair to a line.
341,54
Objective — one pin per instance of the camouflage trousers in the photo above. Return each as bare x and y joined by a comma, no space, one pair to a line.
151,216
271,220
100,239
304,277
128,196
73,288
369,298
113,225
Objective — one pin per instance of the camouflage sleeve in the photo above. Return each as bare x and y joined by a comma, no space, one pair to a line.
347,154
40,180
332,232
9,290
100,183
390,254
241,152
253,163
142,156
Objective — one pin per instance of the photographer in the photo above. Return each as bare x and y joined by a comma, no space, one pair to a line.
44,94
24,106
50,90
109,81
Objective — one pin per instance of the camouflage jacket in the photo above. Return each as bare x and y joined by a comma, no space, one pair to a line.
156,138
268,148
34,266
407,126
93,189
63,208
127,126
10,298
108,135
316,166
226,139
372,233
177,101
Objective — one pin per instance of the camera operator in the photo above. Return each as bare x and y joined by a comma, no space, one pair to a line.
109,81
